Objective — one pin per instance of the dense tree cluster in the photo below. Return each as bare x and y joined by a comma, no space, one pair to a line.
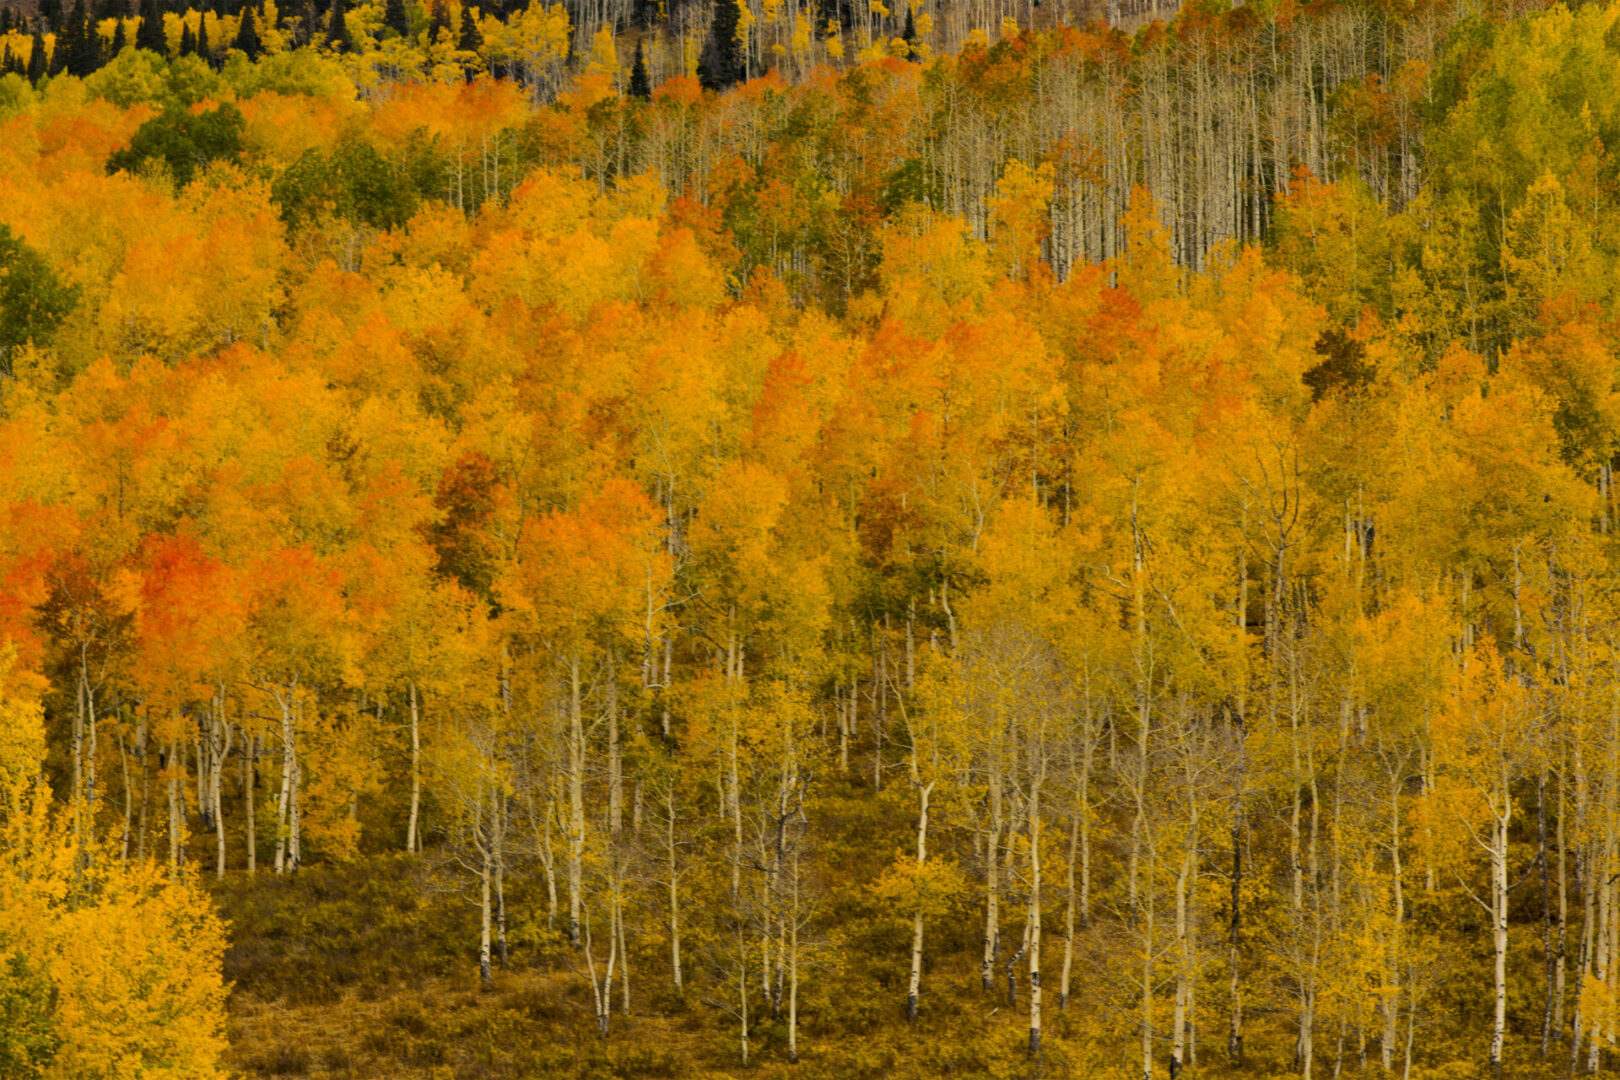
908,497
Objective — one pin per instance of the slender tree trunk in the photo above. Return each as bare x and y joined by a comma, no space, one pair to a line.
91,749
217,790
992,886
1185,883
674,892
287,801
1234,1031
793,967
498,846
1034,918
173,764
250,758
413,842
1068,914
1396,960
129,799
915,985
1543,870
1145,987
485,880
576,799
1499,939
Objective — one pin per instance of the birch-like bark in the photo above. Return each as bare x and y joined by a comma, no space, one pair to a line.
992,885
576,799
1034,917
674,891
413,842
914,988
485,880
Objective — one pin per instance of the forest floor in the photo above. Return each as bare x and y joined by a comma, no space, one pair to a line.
367,969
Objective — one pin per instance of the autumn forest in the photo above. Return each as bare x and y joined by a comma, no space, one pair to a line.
664,538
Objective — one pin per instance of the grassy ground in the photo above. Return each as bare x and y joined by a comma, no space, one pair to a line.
367,970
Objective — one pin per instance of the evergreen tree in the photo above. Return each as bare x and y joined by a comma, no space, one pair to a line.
67,43
337,30
396,18
85,57
247,36
120,39
471,38
440,20
80,47
8,62
51,12
909,35
203,49
149,34
36,58
188,42
640,84
307,28
721,64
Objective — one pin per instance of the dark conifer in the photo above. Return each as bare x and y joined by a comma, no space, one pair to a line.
36,58
247,36
84,57
396,18
149,34
188,40
337,29
721,64
640,84
471,39
66,46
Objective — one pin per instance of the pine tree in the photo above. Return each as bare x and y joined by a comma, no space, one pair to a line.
247,36
8,63
36,58
640,84
202,47
909,35
337,30
471,39
469,42
85,55
307,28
721,64
396,18
51,12
120,39
188,41
67,42
149,34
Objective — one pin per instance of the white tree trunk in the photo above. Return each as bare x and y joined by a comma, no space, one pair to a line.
413,842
